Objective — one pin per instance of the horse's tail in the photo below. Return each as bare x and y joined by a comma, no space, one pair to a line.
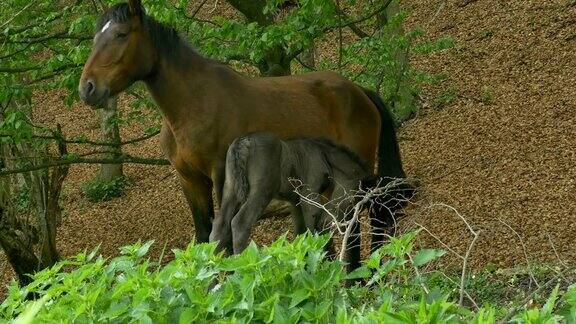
389,160
237,167
390,173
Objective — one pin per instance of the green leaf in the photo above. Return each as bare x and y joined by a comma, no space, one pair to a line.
359,273
426,255
298,296
188,316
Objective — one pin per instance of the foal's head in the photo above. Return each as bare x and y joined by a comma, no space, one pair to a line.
123,52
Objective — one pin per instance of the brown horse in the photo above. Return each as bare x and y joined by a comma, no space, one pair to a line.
206,105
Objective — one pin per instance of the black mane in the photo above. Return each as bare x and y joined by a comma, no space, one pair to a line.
331,145
165,38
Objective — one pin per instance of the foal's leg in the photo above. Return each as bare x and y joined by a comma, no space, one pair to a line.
298,219
317,222
221,229
198,193
246,217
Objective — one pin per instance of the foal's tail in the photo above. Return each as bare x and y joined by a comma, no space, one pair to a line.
236,167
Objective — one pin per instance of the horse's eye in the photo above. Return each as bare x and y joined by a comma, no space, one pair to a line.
121,35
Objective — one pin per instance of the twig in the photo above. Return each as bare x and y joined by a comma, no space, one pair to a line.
340,41
359,20
214,8
464,258
464,268
556,252
96,143
523,250
440,7
465,292
198,9
17,14
311,68
513,310
353,221
426,290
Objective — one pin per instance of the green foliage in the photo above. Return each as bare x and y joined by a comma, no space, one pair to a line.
287,282
21,200
445,98
487,95
98,190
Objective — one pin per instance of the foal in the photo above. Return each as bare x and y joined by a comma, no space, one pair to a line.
258,169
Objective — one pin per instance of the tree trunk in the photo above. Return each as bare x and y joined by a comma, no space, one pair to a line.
276,62
20,233
402,93
308,56
111,134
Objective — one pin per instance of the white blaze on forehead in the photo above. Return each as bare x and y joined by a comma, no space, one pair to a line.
105,27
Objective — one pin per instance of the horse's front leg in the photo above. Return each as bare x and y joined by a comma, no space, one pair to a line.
198,193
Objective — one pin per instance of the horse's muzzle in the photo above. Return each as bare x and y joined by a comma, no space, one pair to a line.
91,95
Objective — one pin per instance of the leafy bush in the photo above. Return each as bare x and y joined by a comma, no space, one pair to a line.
286,282
98,190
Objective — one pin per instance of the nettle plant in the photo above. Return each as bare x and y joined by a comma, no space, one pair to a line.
286,282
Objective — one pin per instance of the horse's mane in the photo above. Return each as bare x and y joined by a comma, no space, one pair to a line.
333,146
165,38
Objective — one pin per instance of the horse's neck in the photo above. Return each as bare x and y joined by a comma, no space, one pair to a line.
178,88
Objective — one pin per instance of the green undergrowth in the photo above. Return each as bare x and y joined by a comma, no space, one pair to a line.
98,190
286,282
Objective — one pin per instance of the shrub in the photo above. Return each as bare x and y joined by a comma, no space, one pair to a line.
98,190
285,282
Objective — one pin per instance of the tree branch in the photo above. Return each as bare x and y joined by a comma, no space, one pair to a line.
96,143
124,158
359,20
57,35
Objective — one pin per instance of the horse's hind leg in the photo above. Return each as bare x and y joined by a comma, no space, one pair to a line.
246,217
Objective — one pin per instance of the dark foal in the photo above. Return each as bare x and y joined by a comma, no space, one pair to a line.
259,168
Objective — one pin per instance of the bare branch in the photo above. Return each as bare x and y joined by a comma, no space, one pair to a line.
523,250
124,158
96,143
17,14
513,310
556,252
464,268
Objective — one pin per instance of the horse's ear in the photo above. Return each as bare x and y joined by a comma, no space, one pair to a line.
135,7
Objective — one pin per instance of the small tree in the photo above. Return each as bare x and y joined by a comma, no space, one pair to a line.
111,134
29,202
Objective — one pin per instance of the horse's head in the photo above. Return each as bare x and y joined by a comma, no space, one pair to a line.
122,53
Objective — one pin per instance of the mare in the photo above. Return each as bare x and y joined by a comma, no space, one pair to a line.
206,105
260,167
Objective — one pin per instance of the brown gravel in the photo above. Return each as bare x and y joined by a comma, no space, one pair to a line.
502,150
